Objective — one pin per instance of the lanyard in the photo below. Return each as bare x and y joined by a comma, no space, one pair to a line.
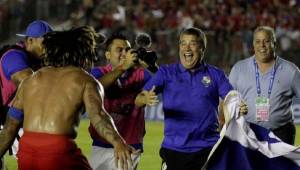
258,89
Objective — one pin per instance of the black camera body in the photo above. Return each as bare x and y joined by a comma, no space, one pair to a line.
149,57
143,41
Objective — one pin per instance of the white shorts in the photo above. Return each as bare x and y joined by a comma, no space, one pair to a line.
103,158
15,145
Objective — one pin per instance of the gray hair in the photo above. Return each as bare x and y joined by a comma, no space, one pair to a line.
198,33
268,30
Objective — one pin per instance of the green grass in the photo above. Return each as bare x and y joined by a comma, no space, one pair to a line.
150,159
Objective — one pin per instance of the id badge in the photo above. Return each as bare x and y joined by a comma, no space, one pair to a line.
262,108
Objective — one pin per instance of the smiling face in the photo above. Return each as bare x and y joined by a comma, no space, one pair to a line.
264,46
191,51
117,52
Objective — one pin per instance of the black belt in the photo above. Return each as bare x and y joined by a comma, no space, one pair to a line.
284,126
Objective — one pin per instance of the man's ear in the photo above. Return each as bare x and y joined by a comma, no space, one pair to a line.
30,39
107,55
202,53
203,50
275,45
28,43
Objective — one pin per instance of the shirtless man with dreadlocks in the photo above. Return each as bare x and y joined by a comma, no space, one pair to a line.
49,104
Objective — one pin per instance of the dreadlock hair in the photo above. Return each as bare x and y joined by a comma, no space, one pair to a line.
75,47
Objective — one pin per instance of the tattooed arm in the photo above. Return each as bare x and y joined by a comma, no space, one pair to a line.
103,123
8,134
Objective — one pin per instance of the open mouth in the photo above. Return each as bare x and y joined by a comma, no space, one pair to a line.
188,56
263,51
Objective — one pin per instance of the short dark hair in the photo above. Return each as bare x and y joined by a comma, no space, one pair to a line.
113,37
198,33
75,47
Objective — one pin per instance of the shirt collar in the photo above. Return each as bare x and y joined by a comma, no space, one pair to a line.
21,44
202,67
109,67
278,62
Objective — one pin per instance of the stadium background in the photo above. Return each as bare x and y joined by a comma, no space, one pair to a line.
227,23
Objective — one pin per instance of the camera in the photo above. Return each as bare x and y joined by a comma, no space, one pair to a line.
149,57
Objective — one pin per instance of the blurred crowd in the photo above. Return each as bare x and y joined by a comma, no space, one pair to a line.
228,23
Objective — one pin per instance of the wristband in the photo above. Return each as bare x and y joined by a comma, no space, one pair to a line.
16,113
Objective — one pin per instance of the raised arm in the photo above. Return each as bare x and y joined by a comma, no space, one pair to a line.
103,123
108,79
13,121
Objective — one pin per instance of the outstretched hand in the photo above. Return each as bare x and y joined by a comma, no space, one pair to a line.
150,97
